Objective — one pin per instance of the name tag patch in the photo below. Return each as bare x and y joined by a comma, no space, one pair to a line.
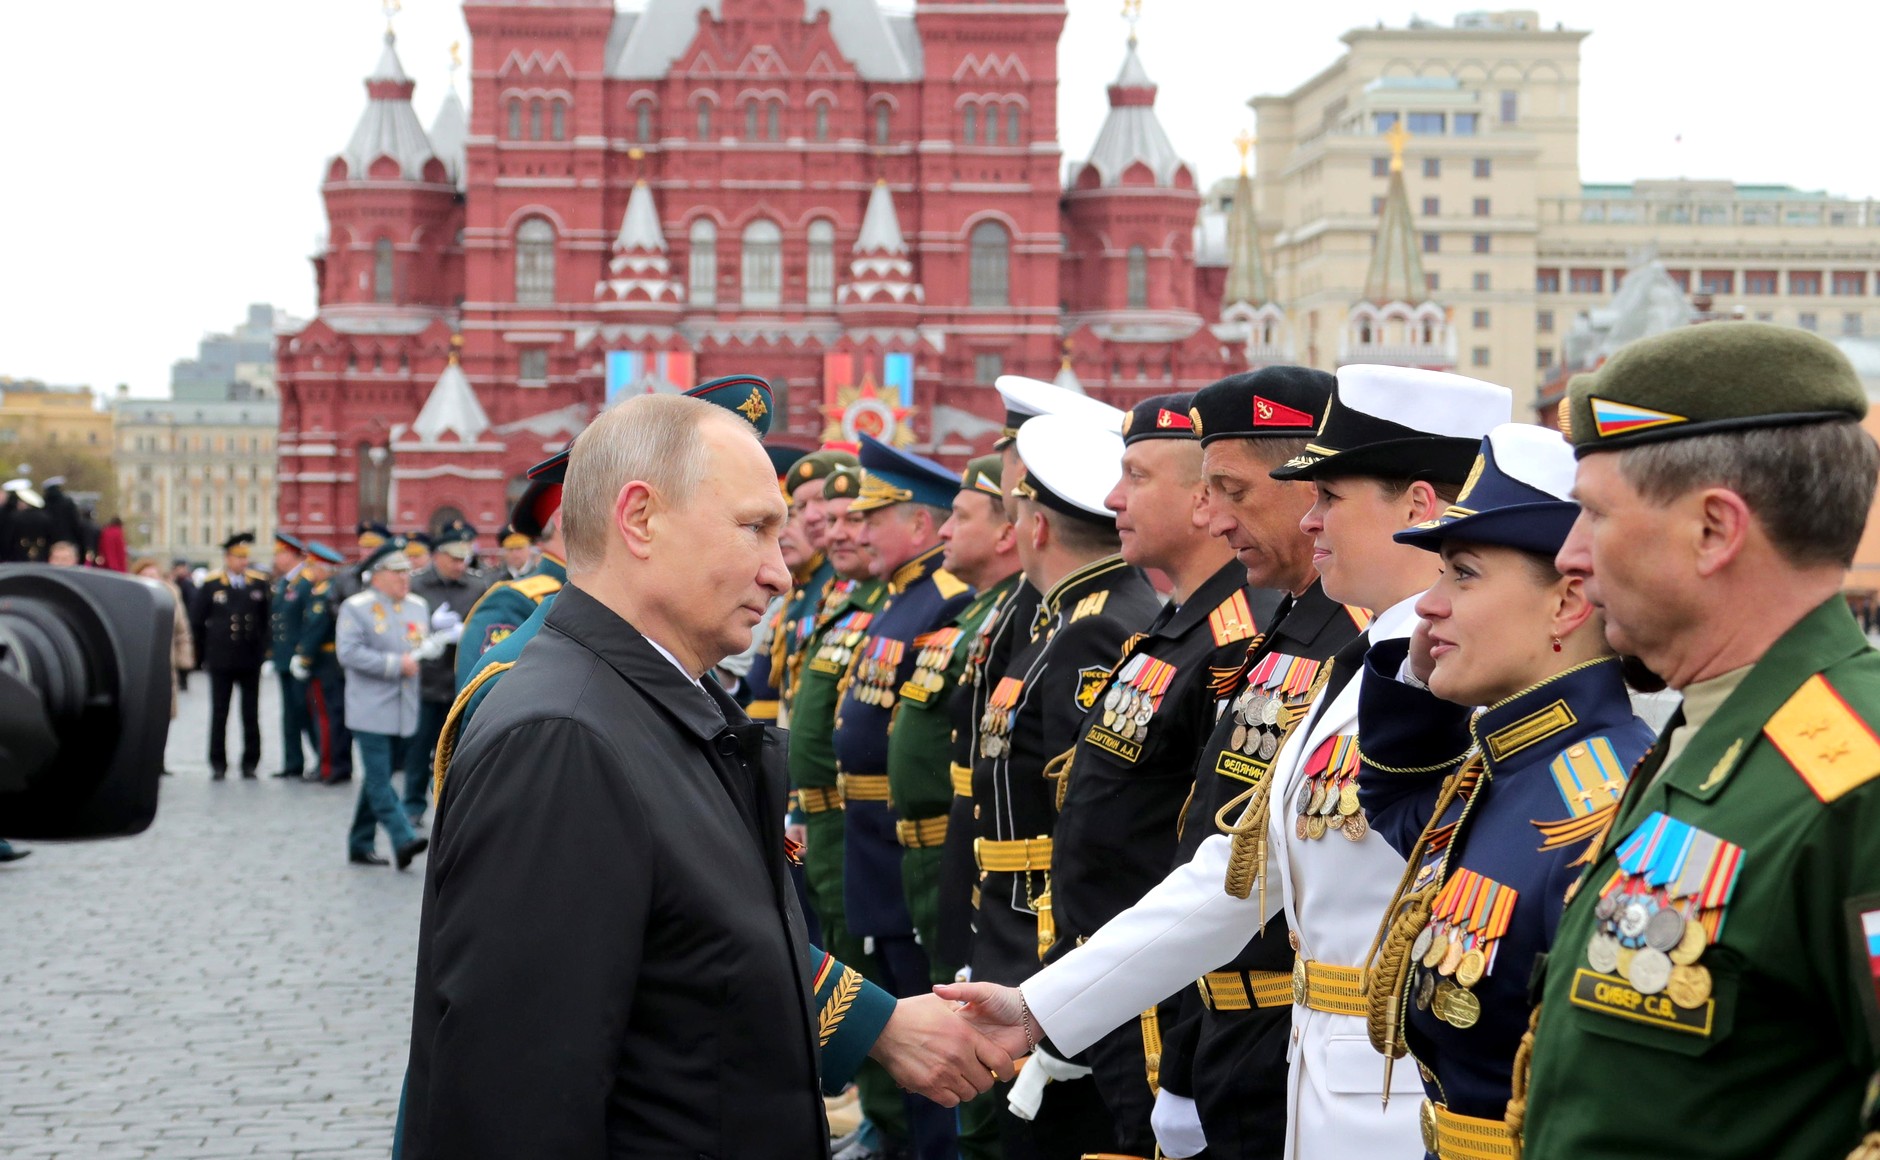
1239,767
1112,744
1612,995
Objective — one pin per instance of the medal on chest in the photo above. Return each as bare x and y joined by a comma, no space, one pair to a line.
840,643
874,675
1278,693
1327,801
933,654
1135,695
1458,948
995,725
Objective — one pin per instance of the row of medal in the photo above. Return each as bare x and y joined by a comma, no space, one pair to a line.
1328,801
1277,684
844,637
1663,908
874,677
936,653
1135,694
1458,948
995,726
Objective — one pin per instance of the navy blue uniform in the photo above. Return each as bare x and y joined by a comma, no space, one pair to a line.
230,623
287,612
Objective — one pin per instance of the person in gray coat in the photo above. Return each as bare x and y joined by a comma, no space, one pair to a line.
382,636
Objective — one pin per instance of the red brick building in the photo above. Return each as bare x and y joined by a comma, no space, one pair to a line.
868,208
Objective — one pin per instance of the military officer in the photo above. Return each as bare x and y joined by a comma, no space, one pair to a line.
1092,602
518,552
316,665
287,610
418,546
1223,1075
369,537
449,586
810,590
1132,770
1724,480
383,634
230,624
505,604
756,687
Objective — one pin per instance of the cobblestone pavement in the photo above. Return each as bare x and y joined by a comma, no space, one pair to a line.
225,984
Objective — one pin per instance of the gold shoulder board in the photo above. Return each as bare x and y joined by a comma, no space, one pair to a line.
1827,742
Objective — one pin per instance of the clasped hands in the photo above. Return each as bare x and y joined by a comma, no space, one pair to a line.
951,1045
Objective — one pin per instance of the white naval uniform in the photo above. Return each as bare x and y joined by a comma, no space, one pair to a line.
1334,892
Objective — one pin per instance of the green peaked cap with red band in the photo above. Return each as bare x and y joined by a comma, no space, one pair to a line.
1700,380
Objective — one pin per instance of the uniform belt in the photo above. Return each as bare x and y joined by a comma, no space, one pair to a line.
1332,989
816,799
921,834
862,787
329,646
1451,1136
1245,990
1013,857
962,780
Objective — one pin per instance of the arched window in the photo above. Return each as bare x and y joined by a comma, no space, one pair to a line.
702,271
1138,278
763,264
991,260
382,270
971,116
535,262
992,124
704,119
750,120
1011,125
558,120
643,122
882,124
773,121
822,263
515,119
822,120
535,120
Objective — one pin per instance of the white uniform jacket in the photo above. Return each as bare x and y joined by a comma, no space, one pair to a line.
1334,892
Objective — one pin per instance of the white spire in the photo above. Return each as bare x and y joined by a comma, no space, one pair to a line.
638,272
881,229
447,134
1067,378
452,406
389,126
881,271
389,68
639,227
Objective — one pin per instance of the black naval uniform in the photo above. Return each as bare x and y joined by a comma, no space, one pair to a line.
1131,774
1032,717
287,614
1227,1050
230,621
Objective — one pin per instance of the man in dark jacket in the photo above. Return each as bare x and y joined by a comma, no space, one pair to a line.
230,622
611,959
449,586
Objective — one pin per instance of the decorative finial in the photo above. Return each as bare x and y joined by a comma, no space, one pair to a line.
391,8
1397,136
1243,141
456,344
1064,360
1132,12
456,57
636,153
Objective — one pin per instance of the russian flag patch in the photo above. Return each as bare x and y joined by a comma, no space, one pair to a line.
1610,418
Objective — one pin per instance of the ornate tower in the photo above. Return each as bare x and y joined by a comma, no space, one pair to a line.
1397,322
1250,312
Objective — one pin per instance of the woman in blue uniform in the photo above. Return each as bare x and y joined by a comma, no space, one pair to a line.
1494,811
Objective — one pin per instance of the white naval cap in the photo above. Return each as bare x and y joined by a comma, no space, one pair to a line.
1537,456
1432,402
1027,398
1071,465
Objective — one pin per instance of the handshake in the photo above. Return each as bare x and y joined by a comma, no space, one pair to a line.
951,1045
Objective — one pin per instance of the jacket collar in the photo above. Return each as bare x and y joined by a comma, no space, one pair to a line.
1077,581
1230,578
1547,717
915,570
547,565
602,631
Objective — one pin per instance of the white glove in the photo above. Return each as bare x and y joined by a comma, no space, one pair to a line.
433,647
445,623
1176,1122
299,669
1028,1090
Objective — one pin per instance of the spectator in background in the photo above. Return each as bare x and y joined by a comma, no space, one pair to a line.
449,587
111,550
185,585
182,648
62,554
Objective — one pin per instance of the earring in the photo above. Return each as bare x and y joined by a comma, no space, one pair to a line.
1556,644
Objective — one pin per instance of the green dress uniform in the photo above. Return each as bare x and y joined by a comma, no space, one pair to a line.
287,614
502,609
1715,965
807,600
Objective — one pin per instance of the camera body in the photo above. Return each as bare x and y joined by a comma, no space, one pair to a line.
84,701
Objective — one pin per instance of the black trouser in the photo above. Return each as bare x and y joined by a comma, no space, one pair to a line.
1240,1081
221,683
1072,1120
1120,1071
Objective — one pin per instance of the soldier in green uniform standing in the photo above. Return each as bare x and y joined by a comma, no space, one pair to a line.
316,665
1707,987
810,594
505,604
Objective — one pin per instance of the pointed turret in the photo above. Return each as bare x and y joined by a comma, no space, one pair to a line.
1066,377
388,142
447,135
1249,311
639,275
880,274
452,406
1132,135
1397,322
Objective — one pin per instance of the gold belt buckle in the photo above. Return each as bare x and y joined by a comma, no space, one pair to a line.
1300,988
1426,1120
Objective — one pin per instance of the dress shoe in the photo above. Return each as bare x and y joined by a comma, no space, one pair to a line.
293,773
248,773
12,853
217,773
368,858
411,850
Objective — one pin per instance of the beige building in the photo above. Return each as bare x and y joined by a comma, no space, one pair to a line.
191,474
1512,245
33,414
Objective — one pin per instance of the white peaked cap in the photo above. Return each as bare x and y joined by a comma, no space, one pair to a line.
1036,397
1074,458
1536,456
1434,402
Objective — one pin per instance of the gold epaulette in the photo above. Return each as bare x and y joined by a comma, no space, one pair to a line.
949,584
1232,620
1831,747
1090,605
537,588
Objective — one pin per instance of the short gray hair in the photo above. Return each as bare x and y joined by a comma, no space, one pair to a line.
1810,486
654,438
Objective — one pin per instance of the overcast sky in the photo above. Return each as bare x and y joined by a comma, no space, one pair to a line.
164,156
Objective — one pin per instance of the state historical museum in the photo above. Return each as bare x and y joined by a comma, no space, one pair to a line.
871,209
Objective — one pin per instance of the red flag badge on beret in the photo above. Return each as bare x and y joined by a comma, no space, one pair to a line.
1267,413
1169,420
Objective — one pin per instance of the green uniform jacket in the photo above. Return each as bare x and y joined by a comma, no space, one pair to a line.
502,609
827,655
317,628
851,1010
794,627
920,740
1773,1062
287,612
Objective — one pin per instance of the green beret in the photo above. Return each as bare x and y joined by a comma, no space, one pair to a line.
1720,376
817,465
985,475
844,482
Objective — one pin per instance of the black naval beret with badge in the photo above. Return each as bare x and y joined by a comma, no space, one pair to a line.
891,475
818,465
1270,403
1699,380
1401,423
1071,466
1515,497
985,475
1160,417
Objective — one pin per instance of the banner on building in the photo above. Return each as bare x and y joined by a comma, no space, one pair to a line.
633,372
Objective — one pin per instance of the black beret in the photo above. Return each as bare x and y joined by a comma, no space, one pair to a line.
1270,403
1160,417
